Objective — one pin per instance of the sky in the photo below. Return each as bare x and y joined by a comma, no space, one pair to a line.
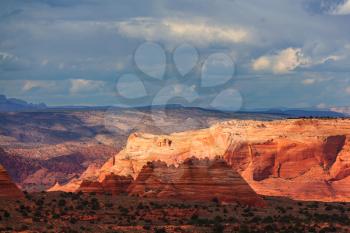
228,54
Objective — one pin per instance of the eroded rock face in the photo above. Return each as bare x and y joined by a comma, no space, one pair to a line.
8,189
194,179
112,183
39,174
88,186
91,173
116,184
305,159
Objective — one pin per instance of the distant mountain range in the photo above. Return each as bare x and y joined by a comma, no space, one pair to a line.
302,112
18,105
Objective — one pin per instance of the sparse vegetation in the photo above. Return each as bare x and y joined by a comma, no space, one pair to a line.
78,212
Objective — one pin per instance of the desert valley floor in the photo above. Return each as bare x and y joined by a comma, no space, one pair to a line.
78,212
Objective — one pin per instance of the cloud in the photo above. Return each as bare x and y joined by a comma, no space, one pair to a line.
10,62
175,30
308,81
321,105
331,58
262,63
75,39
315,77
84,86
6,57
329,7
342,9
281,62
34,84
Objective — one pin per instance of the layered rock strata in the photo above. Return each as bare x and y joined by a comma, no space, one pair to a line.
113,184
305,159
197,180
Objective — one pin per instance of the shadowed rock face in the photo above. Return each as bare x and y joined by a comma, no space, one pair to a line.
8,189
36,175
91,187
307,159
113,184
199,180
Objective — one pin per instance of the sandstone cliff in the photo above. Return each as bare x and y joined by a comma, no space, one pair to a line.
113,184
91,173
305,159
198,180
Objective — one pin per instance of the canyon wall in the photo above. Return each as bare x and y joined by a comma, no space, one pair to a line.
194,179
307,159
112,184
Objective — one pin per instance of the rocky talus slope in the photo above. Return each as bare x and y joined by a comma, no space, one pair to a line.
307,159
8,189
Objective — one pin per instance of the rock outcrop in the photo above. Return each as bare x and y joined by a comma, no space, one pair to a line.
39,174
8,189
113,184
194,179
91,173
307,159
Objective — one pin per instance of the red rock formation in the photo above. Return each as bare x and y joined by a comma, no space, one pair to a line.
88,186
198,180
113,184
304,159
116,184
7,188
91,173
34,174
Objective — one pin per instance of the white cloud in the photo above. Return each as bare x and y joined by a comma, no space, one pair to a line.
29,85
7,56
342,9
179,89
262,63
308,81
281,62
198,32
313,78
321,105
331,58
10,62
84,85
